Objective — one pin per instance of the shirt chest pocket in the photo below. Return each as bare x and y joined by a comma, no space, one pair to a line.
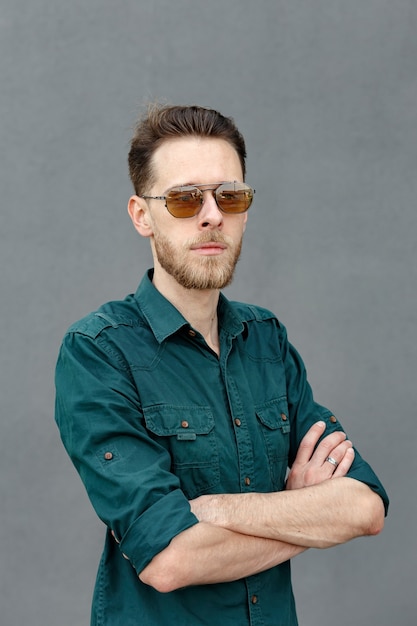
275,426
188,434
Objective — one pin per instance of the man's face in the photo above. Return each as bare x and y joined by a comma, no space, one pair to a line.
199,252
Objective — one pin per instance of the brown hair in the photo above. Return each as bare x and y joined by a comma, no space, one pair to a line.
167,122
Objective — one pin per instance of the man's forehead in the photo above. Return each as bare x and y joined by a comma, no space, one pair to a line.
187,161
185,143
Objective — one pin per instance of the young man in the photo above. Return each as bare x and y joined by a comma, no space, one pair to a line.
182,411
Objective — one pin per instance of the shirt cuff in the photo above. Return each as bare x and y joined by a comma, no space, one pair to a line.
156,527
365,474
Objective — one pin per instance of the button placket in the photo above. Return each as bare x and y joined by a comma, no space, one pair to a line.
254,589
232,374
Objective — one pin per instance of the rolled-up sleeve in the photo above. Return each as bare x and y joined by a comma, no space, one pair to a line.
126,473
304,412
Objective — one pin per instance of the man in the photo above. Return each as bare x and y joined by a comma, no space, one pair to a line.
183,411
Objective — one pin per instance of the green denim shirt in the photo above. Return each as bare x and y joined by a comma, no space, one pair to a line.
152,418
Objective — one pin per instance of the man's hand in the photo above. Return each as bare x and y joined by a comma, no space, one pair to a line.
314,511
310,466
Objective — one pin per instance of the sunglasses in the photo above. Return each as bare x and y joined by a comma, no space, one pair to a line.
187,201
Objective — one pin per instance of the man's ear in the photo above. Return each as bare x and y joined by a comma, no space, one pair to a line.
140,216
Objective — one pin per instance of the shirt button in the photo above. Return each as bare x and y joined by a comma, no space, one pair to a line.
333,419
283,417
192,332
254,599
237,422
108,456
184,424
247,481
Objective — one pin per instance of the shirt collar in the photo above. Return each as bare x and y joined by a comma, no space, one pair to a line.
165,320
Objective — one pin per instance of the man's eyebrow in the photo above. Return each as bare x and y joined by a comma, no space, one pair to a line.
190,184
194,184
178,185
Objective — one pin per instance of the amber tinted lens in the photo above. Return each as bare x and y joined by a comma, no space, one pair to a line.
234,197
184,201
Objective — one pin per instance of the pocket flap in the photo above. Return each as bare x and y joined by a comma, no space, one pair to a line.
167,420
274,414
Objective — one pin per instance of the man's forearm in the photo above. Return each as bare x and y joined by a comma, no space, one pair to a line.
206,554
319,516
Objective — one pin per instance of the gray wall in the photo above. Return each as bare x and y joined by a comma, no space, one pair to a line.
326,95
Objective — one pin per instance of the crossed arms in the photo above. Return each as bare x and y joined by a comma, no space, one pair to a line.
243,534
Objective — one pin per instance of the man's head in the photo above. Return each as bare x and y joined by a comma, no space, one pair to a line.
162,123
187,167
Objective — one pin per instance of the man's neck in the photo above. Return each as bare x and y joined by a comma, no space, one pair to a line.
198,306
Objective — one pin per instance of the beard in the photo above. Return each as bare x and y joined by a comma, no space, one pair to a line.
199,272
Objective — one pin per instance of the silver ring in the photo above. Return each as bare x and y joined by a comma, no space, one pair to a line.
332,461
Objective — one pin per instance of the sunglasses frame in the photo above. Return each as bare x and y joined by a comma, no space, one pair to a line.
201,188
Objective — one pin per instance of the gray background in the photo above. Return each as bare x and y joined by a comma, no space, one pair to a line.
325,92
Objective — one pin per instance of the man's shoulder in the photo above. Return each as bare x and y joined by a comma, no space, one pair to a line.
253,312
110,315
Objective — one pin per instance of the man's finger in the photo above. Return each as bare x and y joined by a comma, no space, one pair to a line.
309,442
345,464
328,446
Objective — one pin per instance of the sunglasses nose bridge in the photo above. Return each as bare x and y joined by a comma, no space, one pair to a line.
207,194
209,207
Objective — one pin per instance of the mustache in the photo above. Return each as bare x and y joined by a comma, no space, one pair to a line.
209,237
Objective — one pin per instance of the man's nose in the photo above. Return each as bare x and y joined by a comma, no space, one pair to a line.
210,214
